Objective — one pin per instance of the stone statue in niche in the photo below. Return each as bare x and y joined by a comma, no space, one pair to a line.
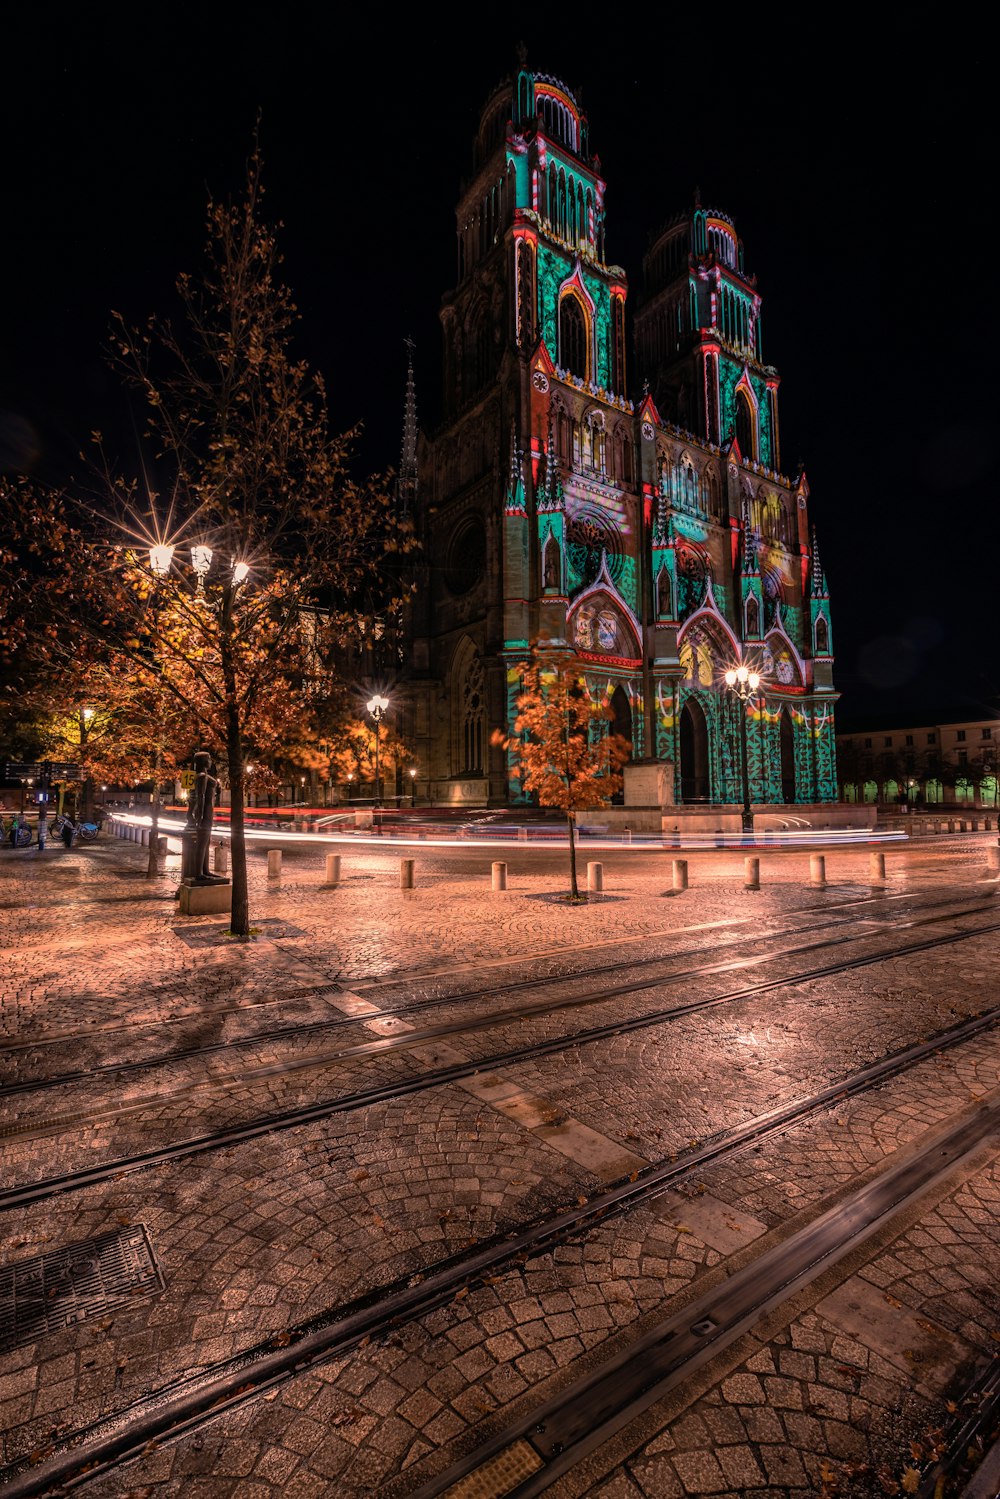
550,577
664,600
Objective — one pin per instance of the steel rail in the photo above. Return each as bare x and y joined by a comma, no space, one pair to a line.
583,1417
192,1400
323,1109
406,1039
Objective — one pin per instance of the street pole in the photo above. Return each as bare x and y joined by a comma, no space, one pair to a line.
747,814
743,683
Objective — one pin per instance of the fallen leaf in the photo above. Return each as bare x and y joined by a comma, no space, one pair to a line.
890,1299
910,1480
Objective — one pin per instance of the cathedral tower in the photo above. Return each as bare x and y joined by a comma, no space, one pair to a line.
660,543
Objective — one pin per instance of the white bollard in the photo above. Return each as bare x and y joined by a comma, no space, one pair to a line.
406,874
499,875
221,862
680,874
817,869
333,869
751,874
274,863
595,878
876,868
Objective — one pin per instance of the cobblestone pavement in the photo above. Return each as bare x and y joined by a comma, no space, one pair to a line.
255,1238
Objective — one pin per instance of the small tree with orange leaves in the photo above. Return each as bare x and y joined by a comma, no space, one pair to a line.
561,747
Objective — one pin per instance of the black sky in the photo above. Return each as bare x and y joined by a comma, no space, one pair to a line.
852,154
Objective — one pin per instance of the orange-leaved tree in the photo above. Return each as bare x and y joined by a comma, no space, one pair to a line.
561,748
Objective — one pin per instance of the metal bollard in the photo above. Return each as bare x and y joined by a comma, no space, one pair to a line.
221,861
595,878
274,863
751,874
876,868
680,874
817,869
406,874
333,869
499,875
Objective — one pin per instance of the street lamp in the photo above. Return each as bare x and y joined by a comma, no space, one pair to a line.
413,786
376,706
743,683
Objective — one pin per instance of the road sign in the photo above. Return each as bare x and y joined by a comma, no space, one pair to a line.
187,779
60,770
21,770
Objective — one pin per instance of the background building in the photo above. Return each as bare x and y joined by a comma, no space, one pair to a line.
656,536
927,762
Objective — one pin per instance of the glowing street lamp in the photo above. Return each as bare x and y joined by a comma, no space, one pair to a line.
743,683
160,558
413,785
376,706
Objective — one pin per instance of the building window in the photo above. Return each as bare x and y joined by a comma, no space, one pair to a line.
887,741
963,757
932,739
987,734
745,427
909,739
960,735
868,744
573,336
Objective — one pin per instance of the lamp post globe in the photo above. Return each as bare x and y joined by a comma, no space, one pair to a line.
376,706
743,683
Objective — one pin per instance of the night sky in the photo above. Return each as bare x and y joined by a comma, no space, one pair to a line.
853,160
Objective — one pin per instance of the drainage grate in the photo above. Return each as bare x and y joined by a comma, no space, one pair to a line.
55,1290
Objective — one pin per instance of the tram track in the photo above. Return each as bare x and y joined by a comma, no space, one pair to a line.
363,983
332,1024
616,1392
433,1077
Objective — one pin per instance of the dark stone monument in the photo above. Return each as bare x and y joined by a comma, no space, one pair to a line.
201,892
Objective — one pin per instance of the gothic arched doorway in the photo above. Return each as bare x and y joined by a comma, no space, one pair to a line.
694,753
787,739
621,724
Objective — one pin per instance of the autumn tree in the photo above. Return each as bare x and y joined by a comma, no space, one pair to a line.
561,748
230,590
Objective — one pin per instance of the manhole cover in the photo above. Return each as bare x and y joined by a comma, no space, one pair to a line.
55,1290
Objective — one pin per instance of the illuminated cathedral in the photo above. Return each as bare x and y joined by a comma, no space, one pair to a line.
639,519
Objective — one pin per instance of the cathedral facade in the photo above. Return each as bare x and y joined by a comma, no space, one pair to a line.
638,519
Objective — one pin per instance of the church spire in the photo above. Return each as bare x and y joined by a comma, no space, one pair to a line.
408,462
819,587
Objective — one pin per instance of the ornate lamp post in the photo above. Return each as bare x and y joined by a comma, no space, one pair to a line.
413,786
376,706
743,683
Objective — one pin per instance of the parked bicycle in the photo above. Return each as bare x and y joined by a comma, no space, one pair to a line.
17,832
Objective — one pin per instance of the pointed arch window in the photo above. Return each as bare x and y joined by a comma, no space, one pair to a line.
552,566
525,293
745,427
822,636
573,339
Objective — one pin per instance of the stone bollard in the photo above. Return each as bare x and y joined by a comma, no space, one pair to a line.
627,835
333,869
499,875
876,868
751,874
975,824
595,878
951,824
522,833
963,826
161,855
817,869
680,874
220,862
993,860
144,837
406,874
274,863
988,823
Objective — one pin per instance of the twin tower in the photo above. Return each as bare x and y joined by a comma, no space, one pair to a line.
630,508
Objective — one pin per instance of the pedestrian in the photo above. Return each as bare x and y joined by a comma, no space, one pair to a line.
43,829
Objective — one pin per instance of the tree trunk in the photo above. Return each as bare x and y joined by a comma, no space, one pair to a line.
240,924
573,888
154,830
